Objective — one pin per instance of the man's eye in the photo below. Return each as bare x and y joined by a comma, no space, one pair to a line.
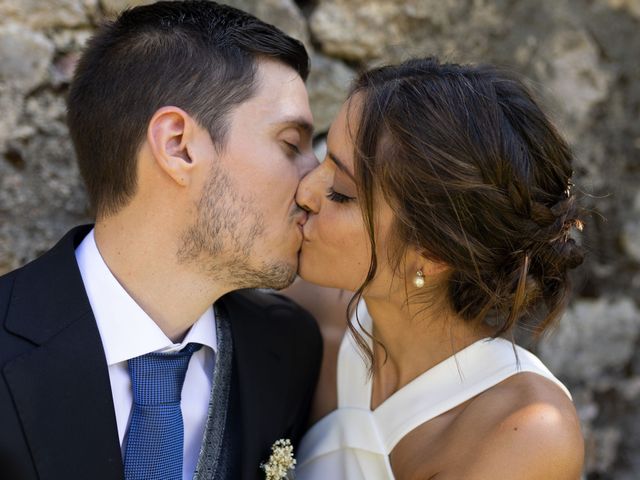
293,148
338,197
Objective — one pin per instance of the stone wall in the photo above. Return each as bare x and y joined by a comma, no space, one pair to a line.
582,57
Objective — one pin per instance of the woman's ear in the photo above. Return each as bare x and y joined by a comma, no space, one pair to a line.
420,260
434,267
169,132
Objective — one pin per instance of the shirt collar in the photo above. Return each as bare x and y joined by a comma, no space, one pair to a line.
125,328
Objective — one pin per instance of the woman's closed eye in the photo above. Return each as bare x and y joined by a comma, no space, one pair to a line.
338,197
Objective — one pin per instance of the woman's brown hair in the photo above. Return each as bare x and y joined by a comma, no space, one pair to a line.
479,179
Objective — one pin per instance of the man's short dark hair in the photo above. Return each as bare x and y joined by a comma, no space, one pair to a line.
197,55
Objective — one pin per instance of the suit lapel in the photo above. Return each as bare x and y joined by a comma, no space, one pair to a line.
262,380
61,388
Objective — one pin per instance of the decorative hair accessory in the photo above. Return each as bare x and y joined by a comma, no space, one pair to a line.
281,463
418,280
570,186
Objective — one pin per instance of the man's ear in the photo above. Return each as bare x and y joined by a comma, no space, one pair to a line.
169,134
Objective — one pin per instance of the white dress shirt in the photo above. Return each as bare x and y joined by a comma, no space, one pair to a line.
127,332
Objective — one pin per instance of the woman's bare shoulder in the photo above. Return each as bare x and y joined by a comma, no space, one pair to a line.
524,428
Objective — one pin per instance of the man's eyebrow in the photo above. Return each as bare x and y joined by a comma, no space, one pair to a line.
340,164
300,123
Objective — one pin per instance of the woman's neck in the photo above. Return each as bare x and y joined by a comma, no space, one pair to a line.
415,339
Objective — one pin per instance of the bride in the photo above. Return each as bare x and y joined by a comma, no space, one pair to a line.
445,204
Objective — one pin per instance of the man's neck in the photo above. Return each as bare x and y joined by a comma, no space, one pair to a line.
145,263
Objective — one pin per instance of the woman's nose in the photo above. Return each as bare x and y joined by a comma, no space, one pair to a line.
307,194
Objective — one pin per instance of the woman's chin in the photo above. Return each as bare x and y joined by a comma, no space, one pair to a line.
328,271
320,279
310,274
315,272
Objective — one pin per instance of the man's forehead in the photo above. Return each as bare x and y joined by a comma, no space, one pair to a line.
275,114
279,82
280,99
288,111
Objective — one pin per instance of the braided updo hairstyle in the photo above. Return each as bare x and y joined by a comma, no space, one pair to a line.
479,179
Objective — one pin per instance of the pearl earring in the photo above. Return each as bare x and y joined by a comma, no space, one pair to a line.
418,280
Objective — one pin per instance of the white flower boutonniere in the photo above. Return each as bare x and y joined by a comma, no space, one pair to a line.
281,462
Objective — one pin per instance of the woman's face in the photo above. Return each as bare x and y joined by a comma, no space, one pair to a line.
336,250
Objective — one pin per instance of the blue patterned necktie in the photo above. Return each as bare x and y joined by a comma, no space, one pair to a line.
156,433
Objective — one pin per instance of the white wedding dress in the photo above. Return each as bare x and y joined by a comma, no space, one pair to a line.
354,442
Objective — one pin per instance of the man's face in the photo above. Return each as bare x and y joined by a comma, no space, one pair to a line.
248,226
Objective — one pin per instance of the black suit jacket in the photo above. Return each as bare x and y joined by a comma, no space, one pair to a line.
56,411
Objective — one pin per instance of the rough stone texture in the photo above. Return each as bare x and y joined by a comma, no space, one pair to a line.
25,56
631,231
574,77
328,86
631,6
612,325
11,102
46,14
375,31
580,57
356,30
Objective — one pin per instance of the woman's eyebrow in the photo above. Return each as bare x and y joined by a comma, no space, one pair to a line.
340,164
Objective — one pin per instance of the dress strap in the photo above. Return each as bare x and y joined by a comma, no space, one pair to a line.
354,382
457,379
452,382
352,428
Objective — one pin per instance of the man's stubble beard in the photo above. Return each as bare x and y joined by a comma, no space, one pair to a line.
218,244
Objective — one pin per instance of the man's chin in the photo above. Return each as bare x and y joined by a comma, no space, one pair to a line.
276,276
285,282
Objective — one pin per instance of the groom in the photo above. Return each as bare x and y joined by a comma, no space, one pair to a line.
134,348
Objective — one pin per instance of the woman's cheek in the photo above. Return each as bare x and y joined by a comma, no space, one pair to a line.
330,227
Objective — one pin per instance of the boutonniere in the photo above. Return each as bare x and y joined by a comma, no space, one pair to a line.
281,463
